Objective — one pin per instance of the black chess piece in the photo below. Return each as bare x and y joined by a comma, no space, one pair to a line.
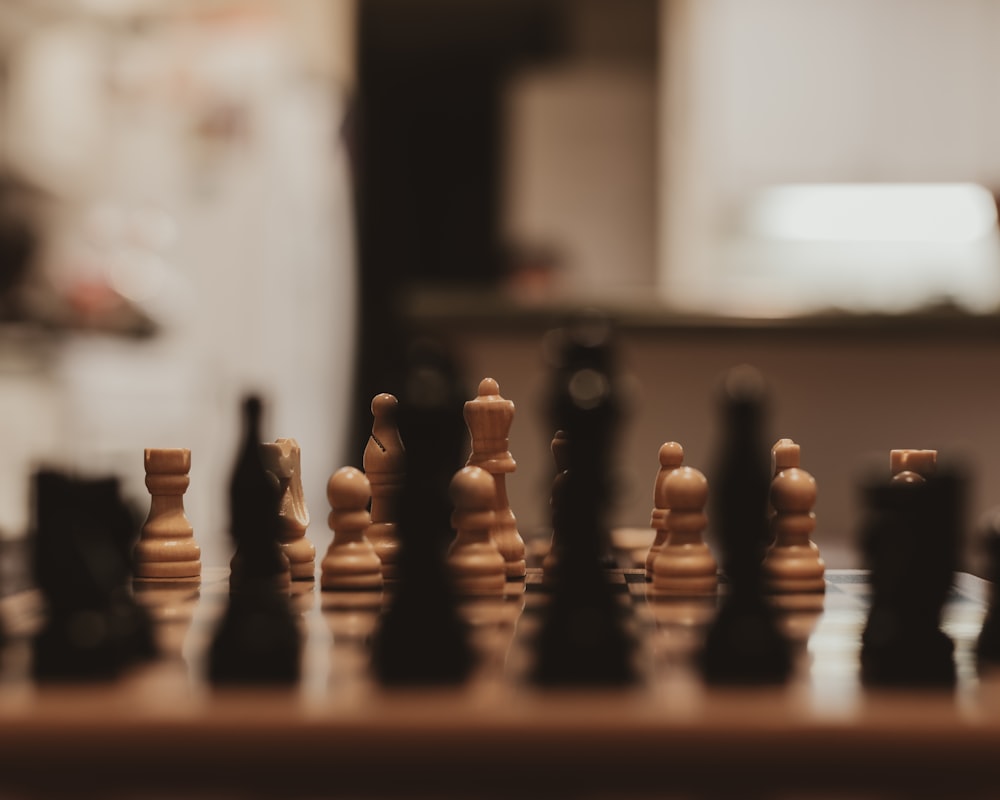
93,626
988,643
583,347
258,640
744,644
254,523
420,638
583,638
910,539
432,399
74,641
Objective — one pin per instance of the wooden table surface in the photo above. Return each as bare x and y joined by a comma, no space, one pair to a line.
162,727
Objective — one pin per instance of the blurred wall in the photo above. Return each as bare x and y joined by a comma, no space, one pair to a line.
781,91
197,181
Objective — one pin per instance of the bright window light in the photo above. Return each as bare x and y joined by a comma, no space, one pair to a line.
953,213
855,248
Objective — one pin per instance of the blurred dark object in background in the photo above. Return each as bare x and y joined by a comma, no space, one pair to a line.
430,82
19,240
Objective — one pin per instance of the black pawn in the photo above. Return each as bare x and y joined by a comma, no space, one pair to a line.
910,540
258,640
744,644
420,638
583,638
988,644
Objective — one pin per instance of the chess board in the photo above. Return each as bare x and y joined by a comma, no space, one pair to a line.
163,728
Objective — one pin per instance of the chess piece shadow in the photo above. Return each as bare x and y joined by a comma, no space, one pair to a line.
171,608
680,623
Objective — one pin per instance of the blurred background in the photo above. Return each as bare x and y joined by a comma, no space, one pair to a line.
198,199
177,230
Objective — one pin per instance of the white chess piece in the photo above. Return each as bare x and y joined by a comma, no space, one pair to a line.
166,550
685,566
475,562
351,562
671,455
283,459
489,417
559,455
793,562
912,466
385,466
785,454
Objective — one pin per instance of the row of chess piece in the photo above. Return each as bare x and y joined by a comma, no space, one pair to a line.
679,563
364,548
487,550
363,554
420,638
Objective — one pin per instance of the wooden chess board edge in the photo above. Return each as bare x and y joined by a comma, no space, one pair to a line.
306,759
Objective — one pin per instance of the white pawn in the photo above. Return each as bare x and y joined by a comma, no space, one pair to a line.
685,566
793,562
671,455
351,562
166,550
476,565
385,466
785,454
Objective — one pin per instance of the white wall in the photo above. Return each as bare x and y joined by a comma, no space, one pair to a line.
786,91
227,129
579,178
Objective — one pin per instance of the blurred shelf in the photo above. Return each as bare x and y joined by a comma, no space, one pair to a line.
494,310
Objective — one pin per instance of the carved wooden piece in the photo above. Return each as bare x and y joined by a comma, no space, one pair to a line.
785,454
385,467
283,460
489,417
351,562
912,466
793,562
166,549
560,455
684,566
475,563
671,455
